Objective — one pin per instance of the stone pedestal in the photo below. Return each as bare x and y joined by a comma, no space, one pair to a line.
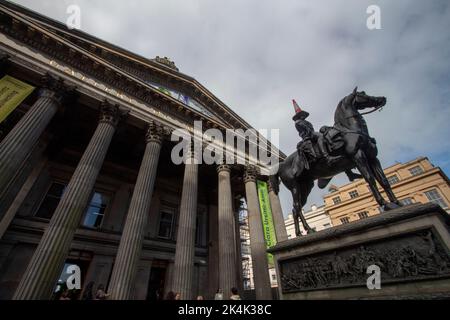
407,249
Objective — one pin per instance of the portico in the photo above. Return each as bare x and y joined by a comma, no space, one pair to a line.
87,179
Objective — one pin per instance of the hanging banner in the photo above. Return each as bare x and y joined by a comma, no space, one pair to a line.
266,218
12,93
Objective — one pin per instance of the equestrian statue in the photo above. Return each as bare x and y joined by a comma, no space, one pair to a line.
340,148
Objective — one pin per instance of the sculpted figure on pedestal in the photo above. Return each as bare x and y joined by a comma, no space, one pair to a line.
340,148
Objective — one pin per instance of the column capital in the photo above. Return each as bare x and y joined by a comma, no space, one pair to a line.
154,132
223,167
250,173
167,131
111,113
56,88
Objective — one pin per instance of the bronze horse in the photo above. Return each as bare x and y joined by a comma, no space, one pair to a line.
356,149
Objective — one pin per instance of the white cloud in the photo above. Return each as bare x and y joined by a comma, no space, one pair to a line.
257,55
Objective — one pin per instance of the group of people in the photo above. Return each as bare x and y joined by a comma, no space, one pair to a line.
100,294
218,296
88,293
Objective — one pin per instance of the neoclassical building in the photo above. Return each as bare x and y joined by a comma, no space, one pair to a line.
86,176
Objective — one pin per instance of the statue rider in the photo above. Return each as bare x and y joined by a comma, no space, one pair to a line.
310,138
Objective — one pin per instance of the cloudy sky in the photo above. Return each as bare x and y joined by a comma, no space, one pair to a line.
257,55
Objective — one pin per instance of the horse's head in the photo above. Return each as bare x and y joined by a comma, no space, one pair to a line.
360,100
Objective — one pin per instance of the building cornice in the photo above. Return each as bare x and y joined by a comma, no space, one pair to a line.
92,57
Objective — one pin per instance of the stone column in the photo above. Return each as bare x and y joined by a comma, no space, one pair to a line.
277,215
16,146
183,269
121,286
48,259
257,241
226,228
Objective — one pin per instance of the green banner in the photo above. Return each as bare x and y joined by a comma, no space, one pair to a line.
266,217
12,93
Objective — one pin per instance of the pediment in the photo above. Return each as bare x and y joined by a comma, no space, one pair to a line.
158,73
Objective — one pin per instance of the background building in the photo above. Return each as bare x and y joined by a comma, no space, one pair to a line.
316,217
414,181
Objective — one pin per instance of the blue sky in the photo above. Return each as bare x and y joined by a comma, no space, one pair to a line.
257,55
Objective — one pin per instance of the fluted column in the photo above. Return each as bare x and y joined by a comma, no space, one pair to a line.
277,215
48,260
226,227
19,142
183,271
123,275
257,241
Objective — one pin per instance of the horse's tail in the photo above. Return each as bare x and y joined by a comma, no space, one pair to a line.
274,181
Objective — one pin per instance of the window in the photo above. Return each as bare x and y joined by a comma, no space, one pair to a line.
345,220
415,171
51,200
434,196
96,210
327,225
353,194
406,201
393,179
336,200
363,214
166,223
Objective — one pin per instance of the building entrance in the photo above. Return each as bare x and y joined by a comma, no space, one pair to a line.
156,282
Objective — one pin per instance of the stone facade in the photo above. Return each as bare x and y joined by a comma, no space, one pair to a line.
86,176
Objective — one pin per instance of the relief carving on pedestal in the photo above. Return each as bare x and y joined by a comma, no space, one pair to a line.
419,255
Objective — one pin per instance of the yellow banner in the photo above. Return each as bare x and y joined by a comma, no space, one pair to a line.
12,93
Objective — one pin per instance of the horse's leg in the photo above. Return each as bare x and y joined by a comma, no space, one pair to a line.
295,198
383,181
296,195
304,223
296,225
305,190
352,175
363,166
